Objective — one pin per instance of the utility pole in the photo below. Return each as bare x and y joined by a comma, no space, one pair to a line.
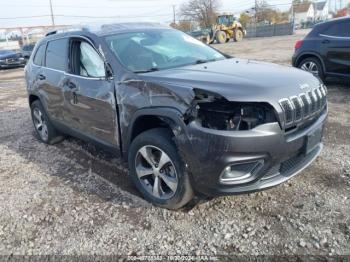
256,12
210,12
52,16
174,14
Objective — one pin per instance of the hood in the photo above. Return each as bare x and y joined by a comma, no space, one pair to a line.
9,55
239,79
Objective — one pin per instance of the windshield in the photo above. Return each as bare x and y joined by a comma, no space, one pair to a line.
159,49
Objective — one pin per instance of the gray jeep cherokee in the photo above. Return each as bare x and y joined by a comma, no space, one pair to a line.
187,118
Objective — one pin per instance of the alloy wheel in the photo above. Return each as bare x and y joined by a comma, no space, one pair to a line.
40,124
156,172
310,67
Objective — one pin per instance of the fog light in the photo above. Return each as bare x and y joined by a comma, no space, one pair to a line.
240,172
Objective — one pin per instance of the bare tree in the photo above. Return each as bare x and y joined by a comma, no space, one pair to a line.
201,11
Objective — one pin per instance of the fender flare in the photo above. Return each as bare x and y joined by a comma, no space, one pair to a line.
172,116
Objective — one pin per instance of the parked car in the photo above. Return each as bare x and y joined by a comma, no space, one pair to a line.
325,51
186,117
9,58
27,50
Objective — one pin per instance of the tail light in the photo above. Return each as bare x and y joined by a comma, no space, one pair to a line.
298,44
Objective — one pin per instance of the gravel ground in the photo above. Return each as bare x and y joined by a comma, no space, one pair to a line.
72,198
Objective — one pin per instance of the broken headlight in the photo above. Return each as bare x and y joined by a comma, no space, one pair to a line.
224,115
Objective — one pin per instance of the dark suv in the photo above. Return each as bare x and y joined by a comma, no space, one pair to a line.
325,51
186,117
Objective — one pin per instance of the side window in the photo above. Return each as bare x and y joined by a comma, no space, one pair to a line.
91,64
339,29
56,54
332,30
345,29
39,55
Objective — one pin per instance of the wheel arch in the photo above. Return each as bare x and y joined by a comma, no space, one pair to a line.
32,98
146,119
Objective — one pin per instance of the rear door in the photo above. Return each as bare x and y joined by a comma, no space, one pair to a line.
89,94
51,77
336,46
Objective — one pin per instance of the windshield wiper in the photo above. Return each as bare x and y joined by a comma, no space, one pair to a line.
202,61
153,69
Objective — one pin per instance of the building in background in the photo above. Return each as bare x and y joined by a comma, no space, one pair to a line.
303,13
321,11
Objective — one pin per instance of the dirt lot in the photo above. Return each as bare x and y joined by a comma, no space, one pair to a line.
74,199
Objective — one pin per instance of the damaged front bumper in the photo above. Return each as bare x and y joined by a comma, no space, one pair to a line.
265,156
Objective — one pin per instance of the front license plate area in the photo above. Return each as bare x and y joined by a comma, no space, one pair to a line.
313,139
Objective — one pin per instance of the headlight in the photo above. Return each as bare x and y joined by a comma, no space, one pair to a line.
224,115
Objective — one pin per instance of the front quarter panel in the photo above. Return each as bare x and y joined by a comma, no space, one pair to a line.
134,94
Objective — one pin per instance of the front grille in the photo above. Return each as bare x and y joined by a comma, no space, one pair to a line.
301,107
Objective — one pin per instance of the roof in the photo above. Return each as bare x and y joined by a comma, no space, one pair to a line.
302,8
105,29
320,5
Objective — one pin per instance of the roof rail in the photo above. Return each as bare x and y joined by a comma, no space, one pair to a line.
53,32
64,30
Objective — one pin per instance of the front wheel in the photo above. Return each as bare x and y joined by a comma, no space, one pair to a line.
221,37
158,171
238,36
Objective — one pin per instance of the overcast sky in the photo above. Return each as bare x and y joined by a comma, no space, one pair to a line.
96,10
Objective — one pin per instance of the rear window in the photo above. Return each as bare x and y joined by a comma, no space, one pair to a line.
39,55
56,54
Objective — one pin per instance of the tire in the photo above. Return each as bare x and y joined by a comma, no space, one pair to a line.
166,185
221,37
313,66
238,36
44,129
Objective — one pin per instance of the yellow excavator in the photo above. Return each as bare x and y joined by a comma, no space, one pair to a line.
226,28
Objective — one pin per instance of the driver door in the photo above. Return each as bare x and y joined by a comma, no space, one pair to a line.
89,94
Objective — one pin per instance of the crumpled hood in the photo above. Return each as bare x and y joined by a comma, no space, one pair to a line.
239,79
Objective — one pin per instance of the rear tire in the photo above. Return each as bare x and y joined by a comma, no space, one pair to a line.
221,37
158,171
312,65
44,129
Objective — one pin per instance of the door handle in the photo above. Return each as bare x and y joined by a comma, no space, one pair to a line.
72,86
41,77
326,41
